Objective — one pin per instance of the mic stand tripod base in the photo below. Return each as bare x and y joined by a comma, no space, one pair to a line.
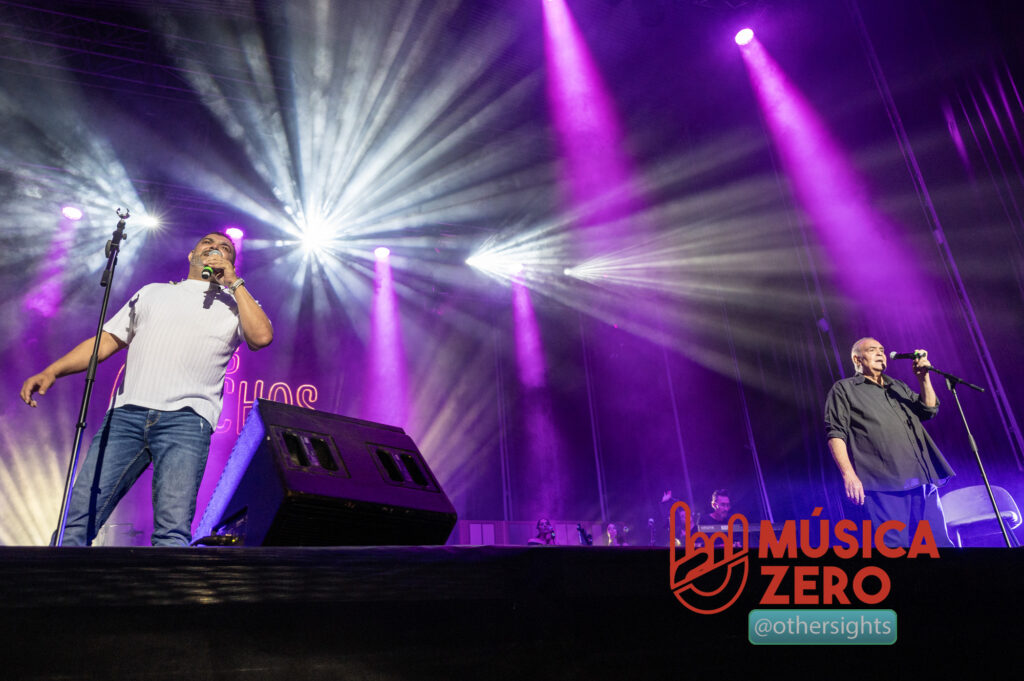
952,382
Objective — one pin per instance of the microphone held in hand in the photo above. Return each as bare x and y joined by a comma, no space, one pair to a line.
207,270
906,355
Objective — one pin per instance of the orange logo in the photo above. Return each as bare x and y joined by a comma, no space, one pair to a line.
707,584
699,581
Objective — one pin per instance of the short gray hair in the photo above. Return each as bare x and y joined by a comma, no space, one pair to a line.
853,353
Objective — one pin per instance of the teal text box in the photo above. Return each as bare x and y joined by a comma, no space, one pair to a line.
821,627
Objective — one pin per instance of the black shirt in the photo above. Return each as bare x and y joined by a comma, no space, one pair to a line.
889,448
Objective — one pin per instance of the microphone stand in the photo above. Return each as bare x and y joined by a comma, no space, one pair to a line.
113,247
952,382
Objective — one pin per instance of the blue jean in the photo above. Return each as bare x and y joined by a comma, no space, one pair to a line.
175,442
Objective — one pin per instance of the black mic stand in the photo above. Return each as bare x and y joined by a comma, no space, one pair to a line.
112,249
952,382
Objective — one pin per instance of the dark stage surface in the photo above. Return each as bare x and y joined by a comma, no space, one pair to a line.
454,612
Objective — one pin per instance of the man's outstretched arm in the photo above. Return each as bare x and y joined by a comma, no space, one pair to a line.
73,362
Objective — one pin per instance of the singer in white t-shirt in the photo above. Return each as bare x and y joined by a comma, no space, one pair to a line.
180,338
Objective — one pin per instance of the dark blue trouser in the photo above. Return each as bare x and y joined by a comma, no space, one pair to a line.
909,507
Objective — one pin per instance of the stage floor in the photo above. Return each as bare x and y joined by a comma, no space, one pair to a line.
456,612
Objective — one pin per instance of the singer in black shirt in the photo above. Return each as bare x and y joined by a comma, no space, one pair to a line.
889,463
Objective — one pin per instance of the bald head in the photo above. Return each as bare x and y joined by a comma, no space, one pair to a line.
868,356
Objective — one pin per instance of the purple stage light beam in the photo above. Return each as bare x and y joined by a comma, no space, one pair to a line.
386,390
871,264
529,352
596,173
542,447
47,291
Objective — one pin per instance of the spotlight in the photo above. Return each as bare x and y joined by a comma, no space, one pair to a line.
148,221
71,213
496,264
310,244
235,233
744,36
381,252
316,237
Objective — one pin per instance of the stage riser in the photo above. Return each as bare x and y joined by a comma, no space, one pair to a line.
447,612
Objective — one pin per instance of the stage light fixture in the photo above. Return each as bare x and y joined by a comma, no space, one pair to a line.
313,243
744,37
235,233
381,252
498,264
71,212
315,236
148,221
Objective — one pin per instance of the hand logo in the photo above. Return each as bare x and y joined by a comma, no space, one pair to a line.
699,582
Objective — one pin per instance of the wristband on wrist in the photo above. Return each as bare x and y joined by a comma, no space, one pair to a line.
235,284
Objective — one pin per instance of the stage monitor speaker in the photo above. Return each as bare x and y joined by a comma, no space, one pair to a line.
300,477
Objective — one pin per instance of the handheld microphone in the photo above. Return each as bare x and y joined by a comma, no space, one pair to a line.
906,355
207,270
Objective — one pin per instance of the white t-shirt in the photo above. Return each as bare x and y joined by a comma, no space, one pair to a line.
180,339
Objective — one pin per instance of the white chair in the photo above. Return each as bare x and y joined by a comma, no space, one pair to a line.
968,510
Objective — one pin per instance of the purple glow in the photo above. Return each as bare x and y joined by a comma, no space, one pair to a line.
595,172
381,252
869,258
744,37
47,291
235,233
954,133
386,393
1006,103
542,446
71,212
529,353
544,495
